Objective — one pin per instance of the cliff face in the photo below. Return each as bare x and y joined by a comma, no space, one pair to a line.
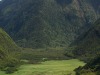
47,23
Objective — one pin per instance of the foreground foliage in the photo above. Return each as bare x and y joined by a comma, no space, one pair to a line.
91,68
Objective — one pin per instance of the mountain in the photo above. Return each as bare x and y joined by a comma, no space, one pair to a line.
7,45
47,23
88,45
88,49
8,55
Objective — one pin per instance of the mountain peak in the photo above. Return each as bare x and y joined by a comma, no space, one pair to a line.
47,23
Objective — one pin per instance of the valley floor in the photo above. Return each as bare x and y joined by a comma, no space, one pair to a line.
53,67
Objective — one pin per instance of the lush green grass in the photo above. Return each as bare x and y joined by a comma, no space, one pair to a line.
53,67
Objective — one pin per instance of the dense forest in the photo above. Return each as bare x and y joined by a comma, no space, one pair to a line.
47,23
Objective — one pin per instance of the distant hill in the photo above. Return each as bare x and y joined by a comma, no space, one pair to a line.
47,23
8,53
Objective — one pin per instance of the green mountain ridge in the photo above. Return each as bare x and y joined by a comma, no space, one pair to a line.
6,43
8,53
47,28
47,23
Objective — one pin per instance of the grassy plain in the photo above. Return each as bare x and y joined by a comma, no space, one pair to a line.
53,67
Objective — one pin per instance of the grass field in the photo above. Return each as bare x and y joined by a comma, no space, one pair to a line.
54,67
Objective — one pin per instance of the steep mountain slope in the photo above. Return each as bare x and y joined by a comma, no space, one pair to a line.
8,55
47,23
6,43
88,45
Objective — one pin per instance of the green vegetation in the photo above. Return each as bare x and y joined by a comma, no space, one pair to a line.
88,45
50,31
38,55
91,68
47,23
8,53
53,67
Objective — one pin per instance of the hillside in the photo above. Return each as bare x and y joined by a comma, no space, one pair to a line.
8,55
88,45
47,23
7,45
